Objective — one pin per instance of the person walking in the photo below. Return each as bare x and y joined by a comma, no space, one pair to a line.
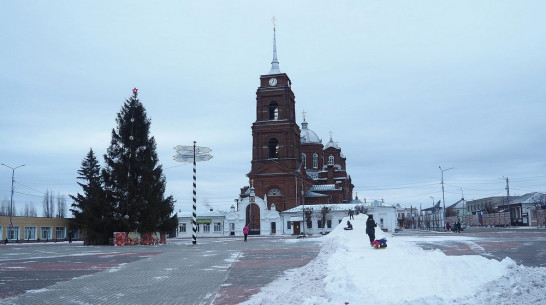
351,214
370,228
245,231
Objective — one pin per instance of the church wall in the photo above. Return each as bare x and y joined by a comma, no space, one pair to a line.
309,150
285,183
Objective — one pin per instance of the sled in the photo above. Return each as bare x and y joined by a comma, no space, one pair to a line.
380,243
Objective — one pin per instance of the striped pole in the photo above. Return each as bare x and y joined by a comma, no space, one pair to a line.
194,219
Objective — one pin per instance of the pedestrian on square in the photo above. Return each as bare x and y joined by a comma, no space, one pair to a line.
370,228
351,214
245,231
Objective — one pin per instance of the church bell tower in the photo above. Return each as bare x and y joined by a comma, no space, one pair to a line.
276,151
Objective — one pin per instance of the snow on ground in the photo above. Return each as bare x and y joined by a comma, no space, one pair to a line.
348,270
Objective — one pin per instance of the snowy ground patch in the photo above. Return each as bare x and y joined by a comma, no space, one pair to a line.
349,270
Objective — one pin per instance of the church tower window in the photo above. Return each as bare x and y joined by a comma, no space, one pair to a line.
273,146
273,111
331,160
304,160
315,160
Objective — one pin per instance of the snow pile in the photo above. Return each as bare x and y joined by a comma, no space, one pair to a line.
349,270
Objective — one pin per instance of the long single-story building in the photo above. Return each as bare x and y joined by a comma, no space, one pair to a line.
303,219
36,228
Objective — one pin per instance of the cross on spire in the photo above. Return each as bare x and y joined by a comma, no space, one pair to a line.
275,63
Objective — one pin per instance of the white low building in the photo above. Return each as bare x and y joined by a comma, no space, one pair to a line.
319,218
209,224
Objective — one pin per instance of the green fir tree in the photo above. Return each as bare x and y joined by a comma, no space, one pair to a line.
133,177
92,212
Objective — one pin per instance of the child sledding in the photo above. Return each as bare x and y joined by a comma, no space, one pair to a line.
349,226
370,230
380,243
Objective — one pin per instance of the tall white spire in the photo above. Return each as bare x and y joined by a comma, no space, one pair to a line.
275,63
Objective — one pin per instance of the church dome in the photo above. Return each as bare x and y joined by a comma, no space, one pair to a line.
357,201
331,143
307,135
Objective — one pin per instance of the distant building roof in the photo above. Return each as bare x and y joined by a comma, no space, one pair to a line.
534,197
314,194
323,187
458,205
202,214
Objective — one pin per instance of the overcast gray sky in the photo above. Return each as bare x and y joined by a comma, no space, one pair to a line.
404,86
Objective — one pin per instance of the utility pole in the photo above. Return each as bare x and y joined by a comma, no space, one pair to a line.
462,199
12,191
508,198
507,190
443,195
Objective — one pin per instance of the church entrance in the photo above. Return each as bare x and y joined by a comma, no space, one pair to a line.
253,219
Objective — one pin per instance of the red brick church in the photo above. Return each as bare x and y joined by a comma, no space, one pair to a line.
290,165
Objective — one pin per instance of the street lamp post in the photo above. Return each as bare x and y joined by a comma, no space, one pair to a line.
12,190
443,195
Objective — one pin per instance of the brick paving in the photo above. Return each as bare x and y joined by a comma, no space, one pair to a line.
525,246
257,268
224,268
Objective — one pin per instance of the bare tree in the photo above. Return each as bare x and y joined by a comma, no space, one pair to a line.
451,212
48,204
61,206
4,207
323,216
490,208
308,212
26,211
32,210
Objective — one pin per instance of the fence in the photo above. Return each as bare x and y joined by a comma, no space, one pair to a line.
492,219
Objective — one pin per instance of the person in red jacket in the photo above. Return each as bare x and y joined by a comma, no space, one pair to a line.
245,231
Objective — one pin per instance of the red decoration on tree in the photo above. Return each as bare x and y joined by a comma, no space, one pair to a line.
135,91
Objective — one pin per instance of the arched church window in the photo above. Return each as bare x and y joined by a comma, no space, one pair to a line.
331,160
273,111
274,192
315,160
273,146
304,160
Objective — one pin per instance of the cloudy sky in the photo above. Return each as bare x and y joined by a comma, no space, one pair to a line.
404,87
